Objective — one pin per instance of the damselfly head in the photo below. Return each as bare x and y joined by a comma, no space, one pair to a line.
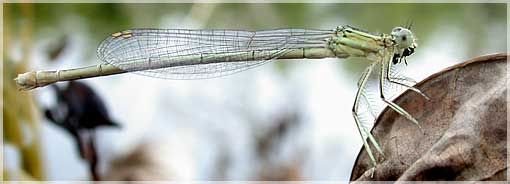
405,43
404,38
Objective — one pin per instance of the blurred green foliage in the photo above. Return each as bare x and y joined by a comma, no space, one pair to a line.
103,19
20,117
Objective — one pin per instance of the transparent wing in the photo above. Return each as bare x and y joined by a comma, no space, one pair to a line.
195,54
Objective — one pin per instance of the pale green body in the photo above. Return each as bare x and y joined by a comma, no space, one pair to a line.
354,44
344,42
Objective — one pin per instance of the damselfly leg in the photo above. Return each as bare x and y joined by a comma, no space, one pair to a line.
388,76
384,74
364,133
400,80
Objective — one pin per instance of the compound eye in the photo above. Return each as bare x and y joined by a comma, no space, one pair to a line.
404,38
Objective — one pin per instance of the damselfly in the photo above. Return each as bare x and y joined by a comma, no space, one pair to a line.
197,54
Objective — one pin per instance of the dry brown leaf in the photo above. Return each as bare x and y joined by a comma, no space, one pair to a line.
463,134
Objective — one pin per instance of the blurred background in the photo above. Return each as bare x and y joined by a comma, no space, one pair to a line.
286,120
